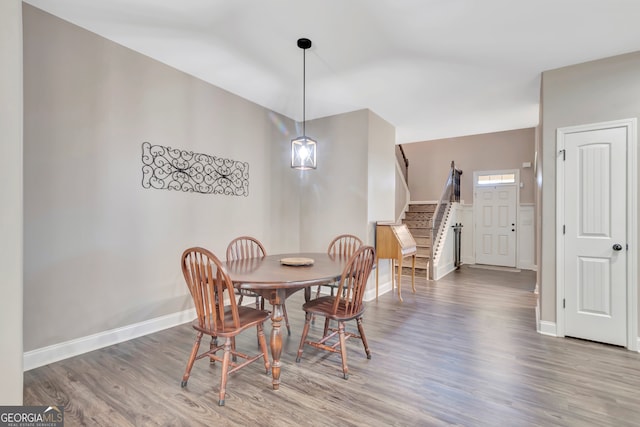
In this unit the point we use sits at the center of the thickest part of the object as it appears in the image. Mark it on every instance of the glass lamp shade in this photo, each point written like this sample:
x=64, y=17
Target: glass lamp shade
x=303, y=153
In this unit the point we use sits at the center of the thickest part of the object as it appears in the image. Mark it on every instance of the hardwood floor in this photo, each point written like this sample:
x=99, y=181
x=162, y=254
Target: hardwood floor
x=460, y=351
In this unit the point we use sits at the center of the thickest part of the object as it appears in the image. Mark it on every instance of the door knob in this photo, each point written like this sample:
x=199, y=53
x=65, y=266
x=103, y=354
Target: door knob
x=617, y=247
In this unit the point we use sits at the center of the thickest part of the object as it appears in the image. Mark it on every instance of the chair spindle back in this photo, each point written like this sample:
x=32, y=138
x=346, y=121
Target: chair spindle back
x=354, y=281
x=344, y=245
x=209, y=284
x=244, y=247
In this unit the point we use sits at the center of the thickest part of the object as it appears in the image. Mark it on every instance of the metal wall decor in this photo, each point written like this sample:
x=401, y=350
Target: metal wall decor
x=168, y=168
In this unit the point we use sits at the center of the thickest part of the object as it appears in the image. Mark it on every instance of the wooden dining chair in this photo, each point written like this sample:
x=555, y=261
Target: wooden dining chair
x=343, y=245
x=219, y=316
x=244, y=247
x=347, y=304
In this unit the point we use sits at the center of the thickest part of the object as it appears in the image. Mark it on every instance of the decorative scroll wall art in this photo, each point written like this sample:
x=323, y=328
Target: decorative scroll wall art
x=168, y=168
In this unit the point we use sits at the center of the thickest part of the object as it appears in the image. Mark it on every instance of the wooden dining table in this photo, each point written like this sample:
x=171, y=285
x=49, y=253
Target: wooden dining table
x=275, y=282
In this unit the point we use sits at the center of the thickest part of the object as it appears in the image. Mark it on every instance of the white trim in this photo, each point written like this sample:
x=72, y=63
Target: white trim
x=544, y=327
x=370, y=292
x=526, y=237
x=547, y=328
x=443, y=270
x=632, y=233
x=559, y=238
x=632, y=220
x=53, y=353
x=476, y=213
x=56, y=352
x=444, y=262
x=406, y=193
x=423, y=202
x=465, y=217
x=515, y=172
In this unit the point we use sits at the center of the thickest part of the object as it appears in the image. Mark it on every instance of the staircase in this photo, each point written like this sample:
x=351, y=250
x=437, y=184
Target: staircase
x=417, y=219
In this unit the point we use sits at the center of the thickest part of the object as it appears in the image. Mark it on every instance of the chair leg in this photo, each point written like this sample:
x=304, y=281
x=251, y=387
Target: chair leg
x=364, y=339
x=225, y=370
x=259, y=306
x=233, y=349
x=263, y=347
x=192, y=358
x=343, y=350
x=305, y=331
x=286, y=318
x=326, y=327
x=313, y=318
x=213, y=344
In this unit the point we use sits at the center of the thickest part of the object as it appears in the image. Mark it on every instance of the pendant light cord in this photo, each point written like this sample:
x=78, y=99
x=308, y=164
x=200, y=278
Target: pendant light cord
x=304, y=44
x=304, y=90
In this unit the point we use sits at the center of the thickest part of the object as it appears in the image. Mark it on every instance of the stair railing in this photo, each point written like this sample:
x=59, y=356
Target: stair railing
x=402, y=159
x=450, y=194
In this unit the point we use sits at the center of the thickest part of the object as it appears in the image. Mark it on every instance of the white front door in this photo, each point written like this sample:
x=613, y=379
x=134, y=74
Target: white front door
x=594, y=227
x=495, y=224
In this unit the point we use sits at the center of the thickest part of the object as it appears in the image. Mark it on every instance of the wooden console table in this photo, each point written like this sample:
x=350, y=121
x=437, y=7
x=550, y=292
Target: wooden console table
x=395, y=242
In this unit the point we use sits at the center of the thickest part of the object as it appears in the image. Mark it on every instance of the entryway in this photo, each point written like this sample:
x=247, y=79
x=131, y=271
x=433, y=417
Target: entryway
x=495, y=204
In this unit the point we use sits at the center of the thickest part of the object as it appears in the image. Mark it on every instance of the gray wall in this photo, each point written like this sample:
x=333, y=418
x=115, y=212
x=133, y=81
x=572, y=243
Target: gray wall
x=382, y=172
x=339, y=184
x=430, y=161
x=101, y=251
x=11, y=202
x=95, y=239
x=355, y=180
x=597, y=91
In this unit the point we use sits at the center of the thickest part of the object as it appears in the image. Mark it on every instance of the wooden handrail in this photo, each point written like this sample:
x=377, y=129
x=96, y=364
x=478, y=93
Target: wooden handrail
x=405, y=161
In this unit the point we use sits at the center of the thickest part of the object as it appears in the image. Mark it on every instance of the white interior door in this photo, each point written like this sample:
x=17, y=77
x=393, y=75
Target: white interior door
x=595, y=247
x=495, y=224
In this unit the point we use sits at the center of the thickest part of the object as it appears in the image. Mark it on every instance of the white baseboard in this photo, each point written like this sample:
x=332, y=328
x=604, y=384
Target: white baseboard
x=527, y=266
x=383, y=288
x=42, y=356
x=544, y=327
x=443, y=270
x=547, y=328
x=53, y=353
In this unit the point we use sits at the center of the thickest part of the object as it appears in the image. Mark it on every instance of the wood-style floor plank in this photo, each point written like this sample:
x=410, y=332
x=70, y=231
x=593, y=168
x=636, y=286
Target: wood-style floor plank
x=461, y=351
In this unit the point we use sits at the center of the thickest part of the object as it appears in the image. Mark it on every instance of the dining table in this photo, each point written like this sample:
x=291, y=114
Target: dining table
x=276, y=277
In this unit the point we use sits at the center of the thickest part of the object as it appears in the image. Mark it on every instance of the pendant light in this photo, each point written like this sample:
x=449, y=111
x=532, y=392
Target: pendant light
x=303, y=148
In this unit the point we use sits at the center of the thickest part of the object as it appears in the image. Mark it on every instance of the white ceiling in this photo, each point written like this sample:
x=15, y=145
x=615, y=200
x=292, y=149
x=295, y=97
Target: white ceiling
x=432, y=68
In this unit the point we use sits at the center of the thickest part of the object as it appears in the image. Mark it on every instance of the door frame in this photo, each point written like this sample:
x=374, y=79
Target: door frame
x=632, y=220
x=476, y=174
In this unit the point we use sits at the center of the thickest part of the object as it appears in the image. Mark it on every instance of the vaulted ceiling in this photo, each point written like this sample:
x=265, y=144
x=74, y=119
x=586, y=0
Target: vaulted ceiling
x=432, y=68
